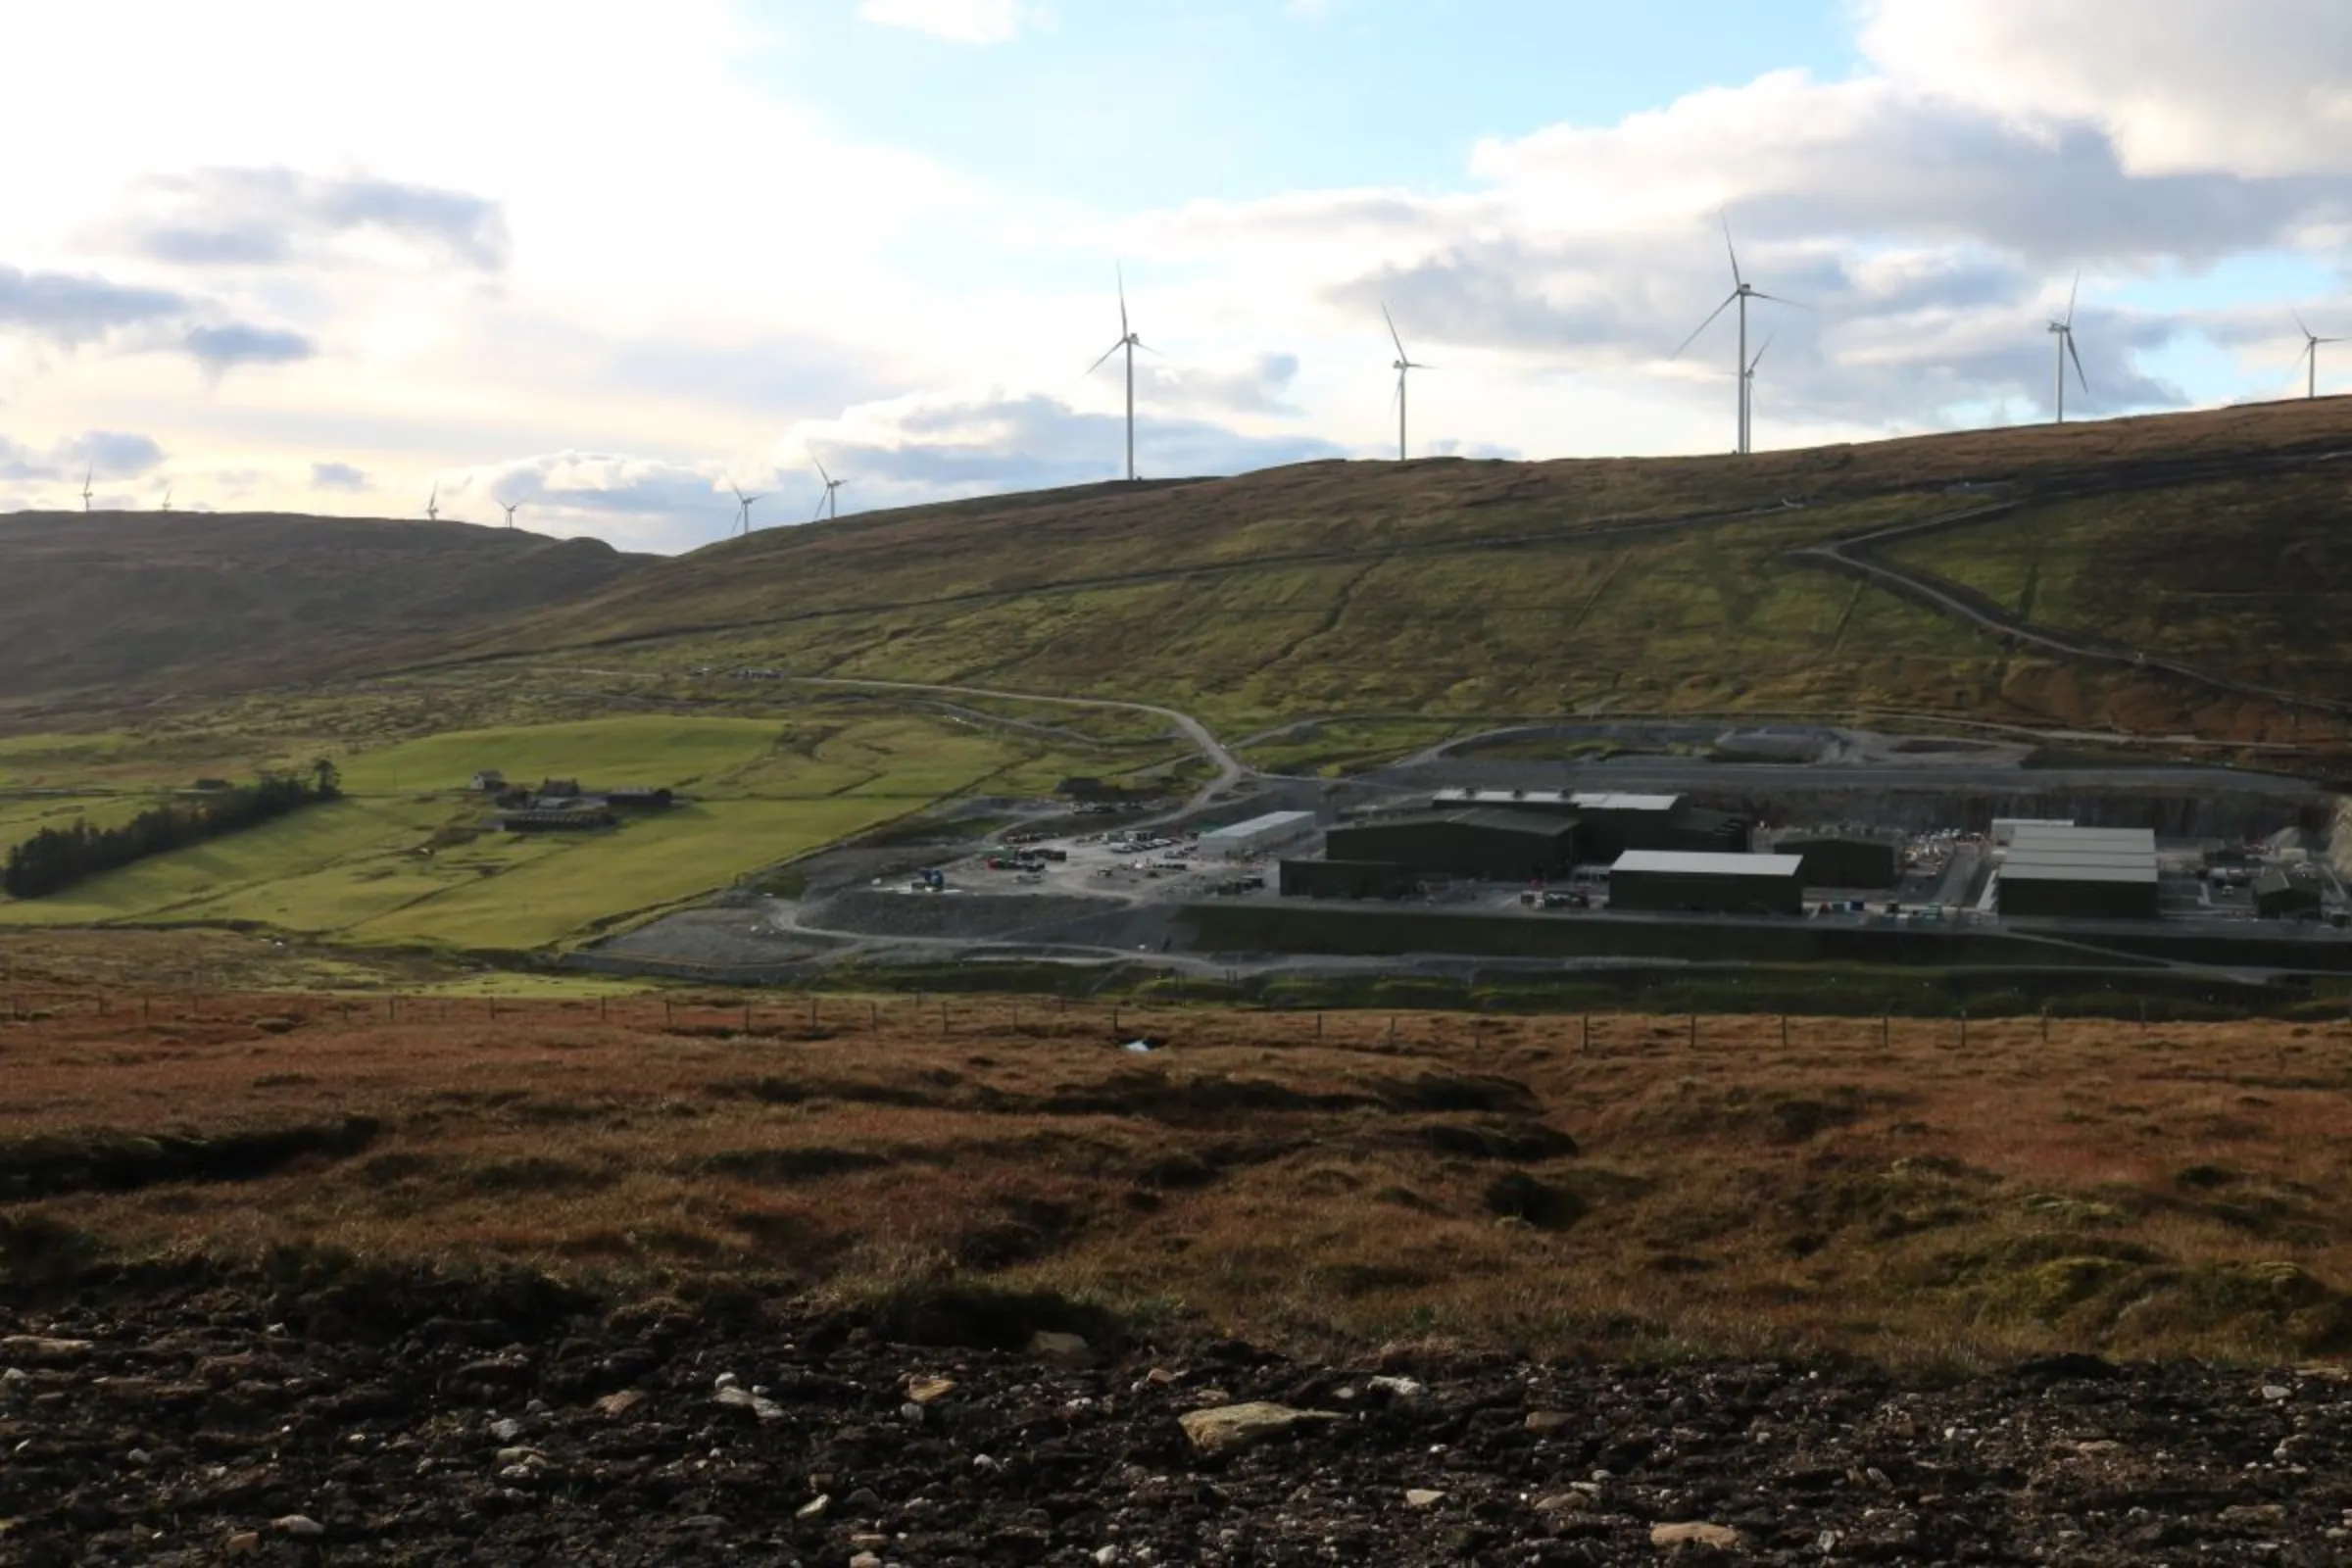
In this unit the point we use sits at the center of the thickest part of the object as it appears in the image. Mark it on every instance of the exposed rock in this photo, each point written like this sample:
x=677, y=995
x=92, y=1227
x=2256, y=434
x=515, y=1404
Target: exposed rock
x=1230, y=1428
x=301, y=1527
x=923, y=1391
x=1069, y=1349
x=1421, y=1498
x=1720, y=1538
x=1542, y=1423
x=743, y=1399
x=38, y=1350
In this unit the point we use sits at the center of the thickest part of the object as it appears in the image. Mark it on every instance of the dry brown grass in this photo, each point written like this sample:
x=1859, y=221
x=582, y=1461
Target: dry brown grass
x=1503, y=1181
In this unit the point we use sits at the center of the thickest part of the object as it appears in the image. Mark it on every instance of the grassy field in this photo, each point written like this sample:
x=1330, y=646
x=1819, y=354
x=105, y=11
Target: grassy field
x=1524, y=1183
x=403, y=857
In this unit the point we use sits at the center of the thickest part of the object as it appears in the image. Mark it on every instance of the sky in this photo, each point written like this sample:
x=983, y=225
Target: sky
x=608, y=262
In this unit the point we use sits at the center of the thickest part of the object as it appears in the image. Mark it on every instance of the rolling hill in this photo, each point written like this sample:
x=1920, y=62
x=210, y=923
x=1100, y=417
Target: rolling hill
x=2170, y=574
x=106, y=607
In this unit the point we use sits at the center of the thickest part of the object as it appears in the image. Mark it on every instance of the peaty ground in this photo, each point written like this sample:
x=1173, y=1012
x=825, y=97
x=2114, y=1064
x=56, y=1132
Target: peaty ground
x=449, y=1280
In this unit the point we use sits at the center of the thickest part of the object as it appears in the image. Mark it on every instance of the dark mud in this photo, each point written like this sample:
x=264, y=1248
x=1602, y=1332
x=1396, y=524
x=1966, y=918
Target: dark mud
x=183, y=1423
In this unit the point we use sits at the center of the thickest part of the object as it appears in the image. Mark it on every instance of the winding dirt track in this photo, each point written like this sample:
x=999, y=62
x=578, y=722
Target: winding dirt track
x=1852, y=557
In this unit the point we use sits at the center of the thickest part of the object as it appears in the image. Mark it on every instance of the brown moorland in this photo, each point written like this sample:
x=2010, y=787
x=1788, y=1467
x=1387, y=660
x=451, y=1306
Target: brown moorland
x=1633, y=1186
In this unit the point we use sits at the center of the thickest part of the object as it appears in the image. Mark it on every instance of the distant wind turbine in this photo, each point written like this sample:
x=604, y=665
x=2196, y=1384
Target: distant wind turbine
x=509, y=507
x=828, y=507
x=166, y=498
x=2062, y=330
x=1742, y=292
x=1404, y=365
x=1750, y=376
x=432, y=504
x=88, y=474
x=2311, y=352
x=1130, y=342
x=743, y=508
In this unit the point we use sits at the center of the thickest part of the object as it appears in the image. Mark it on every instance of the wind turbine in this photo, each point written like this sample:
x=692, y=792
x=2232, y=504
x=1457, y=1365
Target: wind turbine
x=1748, y=393
x=826, y=506
x=2310, y=352
x=1742, y=292
x=1404, y=365
x=742, y=507
x=432, y=504
x=1128, y=340
x=2064, y=330
x=90, y=474
x=509, y=507
x=166, y=498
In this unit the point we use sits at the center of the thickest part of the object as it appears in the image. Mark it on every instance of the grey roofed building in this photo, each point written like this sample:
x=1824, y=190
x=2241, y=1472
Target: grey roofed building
x=1706, y=881
x=2080, y=873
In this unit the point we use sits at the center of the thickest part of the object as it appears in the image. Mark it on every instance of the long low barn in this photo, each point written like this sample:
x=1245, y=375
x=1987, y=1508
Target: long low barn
x=1675, y=881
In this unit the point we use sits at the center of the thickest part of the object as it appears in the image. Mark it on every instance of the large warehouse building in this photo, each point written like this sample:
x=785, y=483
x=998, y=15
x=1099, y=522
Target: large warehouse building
x=1612, y=821
x=1675, y=881
x=2089, y=873
x=1491, y=844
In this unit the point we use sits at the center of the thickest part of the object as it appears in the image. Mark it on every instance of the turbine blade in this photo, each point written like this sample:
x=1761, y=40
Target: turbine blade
x=1106, y=354
x=1760, y=358
x=2077, y=358
x=1392, y=337
x=820, y=506
x=1728, y=247
x=2298, y=315
x=1396, y=391
x=1703, y=325
x=1794, y=304
x=820, y=464
x=1120, y=268
x=2072, y=295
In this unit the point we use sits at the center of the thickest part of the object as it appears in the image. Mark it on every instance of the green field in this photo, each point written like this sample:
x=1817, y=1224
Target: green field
x=403, y=859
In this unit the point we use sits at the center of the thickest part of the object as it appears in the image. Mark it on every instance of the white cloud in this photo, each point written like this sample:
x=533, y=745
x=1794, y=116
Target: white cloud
x=2179, y=86
x=956, y=21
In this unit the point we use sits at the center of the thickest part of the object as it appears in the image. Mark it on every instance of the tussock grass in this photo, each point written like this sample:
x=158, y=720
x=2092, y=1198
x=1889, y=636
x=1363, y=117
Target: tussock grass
x=1509, y=1182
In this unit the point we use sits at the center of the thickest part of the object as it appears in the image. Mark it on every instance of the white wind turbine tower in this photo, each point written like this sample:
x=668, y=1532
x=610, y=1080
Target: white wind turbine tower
x=743, y=508
x=509, y=507
x=90, y=474
x=1748, y=392
x=1129, y=341
x=828, y=507
x=1404, y=365
x=2311, y=352
x=432, y=504
x=166, y=498
x=1742, y=292
x=2063, y=330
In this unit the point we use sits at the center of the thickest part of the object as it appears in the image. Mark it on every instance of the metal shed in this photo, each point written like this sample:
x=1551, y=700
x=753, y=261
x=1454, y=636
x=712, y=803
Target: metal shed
x=1705, y=881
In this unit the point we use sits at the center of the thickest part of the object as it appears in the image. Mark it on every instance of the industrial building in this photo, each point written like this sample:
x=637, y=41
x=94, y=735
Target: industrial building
x=1343, y=879
x=1242, y=840
x=1676, y=881
x=2289, y=892
x=1489, y=844
x=1612, y=821
x=2053, y=871
x=1844, y=856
